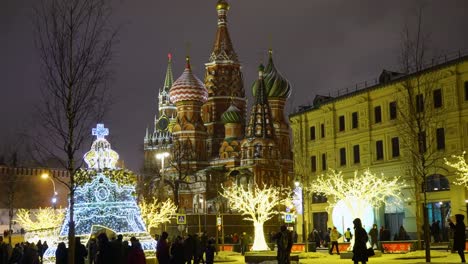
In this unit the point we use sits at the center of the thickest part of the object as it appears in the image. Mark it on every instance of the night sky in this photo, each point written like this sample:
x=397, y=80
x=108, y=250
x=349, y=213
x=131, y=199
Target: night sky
x=319, y=46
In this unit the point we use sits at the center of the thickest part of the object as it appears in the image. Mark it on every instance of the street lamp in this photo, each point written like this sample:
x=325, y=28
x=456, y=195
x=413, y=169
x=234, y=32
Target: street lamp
x=54, y=197
x=162, y=156
x=304, y=232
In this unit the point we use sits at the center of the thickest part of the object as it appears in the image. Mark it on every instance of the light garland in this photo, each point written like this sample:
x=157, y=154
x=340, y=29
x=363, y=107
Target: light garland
x=105, y=199
x=461, y=168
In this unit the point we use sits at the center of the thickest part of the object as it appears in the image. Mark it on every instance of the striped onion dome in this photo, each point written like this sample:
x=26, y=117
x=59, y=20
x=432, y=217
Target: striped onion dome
x=232, y=115
x=188, y=87
x=275, y=84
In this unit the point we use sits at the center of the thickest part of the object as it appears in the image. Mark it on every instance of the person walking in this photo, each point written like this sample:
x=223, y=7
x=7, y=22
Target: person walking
x=459, y=236
x=61, y=254
x=435, y=230
x=177, y=251
x=162, y=249
x=210, y=252
x=284, y=241
x=317, y=237
x=80, y=251
x=244, y=241
x=348, y=235
x=360, y=240
x=136, y=254
x=334, y=235
x=374, y=234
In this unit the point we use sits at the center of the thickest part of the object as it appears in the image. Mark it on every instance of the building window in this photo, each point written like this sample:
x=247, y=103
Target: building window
x=395, y=147
x=355, y=121
x=324, y=161
x=357, y=157
x=422, y=142
x=377, y=114
x=437, y=182
x=440, y=134
x=393, y=110
x=319, y=198
x=379, y=149
x=313, y=163
x=419, y=103
x=322, y=130
x=312, y=133
x=466, y=91
x=437, y=94
x=342, y=156
x=341, y=123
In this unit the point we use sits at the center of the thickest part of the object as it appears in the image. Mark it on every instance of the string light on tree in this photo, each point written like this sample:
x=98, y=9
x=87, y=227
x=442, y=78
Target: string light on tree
x=461, y=168
x=156, y=213
x=356, y=195
x=256, y=204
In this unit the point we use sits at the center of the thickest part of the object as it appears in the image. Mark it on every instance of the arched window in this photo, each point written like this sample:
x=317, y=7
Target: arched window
x=437, y=183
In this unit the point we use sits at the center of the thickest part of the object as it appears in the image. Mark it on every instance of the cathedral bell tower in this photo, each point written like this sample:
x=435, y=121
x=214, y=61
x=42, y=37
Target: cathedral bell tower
x=223, y=80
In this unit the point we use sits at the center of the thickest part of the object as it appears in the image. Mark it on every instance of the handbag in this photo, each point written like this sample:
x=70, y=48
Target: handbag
x=369, y=250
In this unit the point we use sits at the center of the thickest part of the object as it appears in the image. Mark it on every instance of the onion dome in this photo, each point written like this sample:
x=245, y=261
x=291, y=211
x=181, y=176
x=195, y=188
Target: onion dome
x=275, y=84
x=232, y=115
x=188, y=87
x=222, y=4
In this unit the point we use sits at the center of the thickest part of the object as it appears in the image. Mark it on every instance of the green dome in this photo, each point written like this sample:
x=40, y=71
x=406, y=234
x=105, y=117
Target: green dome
x=232, y=115
x=275, y=84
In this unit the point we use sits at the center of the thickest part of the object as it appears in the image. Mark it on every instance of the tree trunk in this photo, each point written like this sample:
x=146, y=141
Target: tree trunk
x=259, y=238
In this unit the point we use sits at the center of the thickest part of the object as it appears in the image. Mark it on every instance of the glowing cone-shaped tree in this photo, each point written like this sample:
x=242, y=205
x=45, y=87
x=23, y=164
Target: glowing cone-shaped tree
x=256, y=204
x=155, y=213
x=461, y=168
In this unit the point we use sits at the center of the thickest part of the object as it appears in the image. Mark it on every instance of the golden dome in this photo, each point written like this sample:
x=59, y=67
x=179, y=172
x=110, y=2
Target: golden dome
x=222, y=4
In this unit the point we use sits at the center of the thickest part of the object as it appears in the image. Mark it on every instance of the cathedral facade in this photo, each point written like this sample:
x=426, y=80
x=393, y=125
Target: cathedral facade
x=207, y=133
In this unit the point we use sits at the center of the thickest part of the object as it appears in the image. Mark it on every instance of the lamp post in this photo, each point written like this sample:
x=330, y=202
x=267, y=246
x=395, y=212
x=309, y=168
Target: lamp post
x=162, y=156
x=54, y=197
x=304, y=232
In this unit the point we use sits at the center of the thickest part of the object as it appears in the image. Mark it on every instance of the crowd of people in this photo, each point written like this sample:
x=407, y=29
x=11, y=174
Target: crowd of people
x=22, y=253
x=189, y=249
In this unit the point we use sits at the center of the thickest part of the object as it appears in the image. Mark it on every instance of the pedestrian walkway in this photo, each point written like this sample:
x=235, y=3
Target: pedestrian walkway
x=416, y=257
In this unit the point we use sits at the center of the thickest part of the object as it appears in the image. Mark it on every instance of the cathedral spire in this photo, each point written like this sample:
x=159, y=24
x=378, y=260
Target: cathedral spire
x=169, y=80
x=260, y=124
x=223, y=49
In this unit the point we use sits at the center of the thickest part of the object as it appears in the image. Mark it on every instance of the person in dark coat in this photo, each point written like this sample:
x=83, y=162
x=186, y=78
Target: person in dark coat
x=40, y=251
x=459, y=236
x=61, y=254
x=360, y=240
x=162, y=249
x=374, y=233
x=284, y=242
x=435, y=230
x=177, y=251
x=136, y=254
x=104, y=251
x=189, y=248
x=80, y=251
x=210, y=252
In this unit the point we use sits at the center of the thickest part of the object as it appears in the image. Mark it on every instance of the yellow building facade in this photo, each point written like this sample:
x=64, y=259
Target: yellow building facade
x=367, y=129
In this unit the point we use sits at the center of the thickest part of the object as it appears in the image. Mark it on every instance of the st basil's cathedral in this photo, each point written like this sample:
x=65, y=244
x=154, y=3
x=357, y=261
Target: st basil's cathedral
x=207, y=135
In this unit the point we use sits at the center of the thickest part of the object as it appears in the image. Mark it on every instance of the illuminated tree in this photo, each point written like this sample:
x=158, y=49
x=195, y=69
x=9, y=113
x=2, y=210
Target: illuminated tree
x=461, y=168
x=359, y=191
x=155, y=213
x=43, y=218
x=256, y=204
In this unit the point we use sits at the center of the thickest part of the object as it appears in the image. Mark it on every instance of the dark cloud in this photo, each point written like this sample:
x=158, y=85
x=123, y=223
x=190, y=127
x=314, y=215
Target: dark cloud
x=320, y=46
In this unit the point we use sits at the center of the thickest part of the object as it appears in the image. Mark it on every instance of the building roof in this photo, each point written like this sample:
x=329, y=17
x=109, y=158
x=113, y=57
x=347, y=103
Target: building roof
x=395, y=79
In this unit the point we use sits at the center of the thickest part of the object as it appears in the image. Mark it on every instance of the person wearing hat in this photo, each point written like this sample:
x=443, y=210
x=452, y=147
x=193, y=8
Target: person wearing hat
x=459, y=235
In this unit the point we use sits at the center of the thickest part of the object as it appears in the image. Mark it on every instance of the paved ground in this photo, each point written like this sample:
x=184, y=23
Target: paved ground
x=322, y=258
